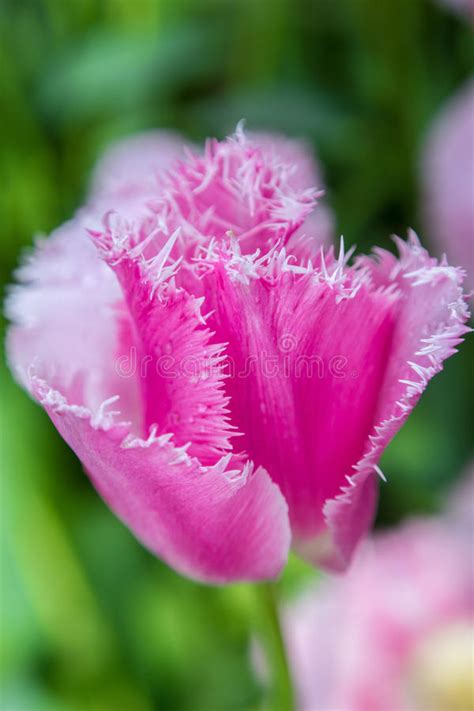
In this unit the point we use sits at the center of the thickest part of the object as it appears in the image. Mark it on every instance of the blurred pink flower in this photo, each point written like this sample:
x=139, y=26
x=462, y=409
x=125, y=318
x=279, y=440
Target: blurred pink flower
x=397, y=632
x=448, y=180
x=220, y=348
x=462, y=7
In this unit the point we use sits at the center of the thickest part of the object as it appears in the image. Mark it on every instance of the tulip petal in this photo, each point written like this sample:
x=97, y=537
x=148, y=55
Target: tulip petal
x=237, y=186
x=430, y=324
x=318, y=227
x=179, y=367
x=133, y=167
x=63, y=312
x=214, y=524
x=66, y=310
x=308, y=351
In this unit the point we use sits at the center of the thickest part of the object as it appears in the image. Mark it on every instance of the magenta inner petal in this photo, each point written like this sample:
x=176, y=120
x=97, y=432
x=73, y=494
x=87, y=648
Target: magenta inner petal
x=178, y=370
x=305, y=370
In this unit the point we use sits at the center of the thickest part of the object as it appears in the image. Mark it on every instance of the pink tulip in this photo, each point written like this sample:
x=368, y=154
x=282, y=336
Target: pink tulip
x=224, y=394
x=448, y=180
x=397, y=631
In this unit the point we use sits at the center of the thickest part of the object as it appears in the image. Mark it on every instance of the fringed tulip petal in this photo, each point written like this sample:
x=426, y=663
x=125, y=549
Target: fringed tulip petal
x=430, y=324
x=303, y=392
x=216, y=524
x=66, y=307
x=318, y=227
x=63, y=314
x=179, y=368
x=237, y=186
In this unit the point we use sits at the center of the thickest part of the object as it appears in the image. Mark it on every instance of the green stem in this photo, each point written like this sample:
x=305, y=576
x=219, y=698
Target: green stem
x=281, y=694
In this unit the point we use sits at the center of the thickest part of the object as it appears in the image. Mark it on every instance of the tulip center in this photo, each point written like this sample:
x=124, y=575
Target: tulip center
x=442, y=670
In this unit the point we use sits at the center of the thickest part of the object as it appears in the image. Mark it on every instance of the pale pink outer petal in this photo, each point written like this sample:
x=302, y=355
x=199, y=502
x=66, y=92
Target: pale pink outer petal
x=213, y=524
x=448, y=180
x=430, y=326
x=65, y=310
x=134, y=165
x=62, y=312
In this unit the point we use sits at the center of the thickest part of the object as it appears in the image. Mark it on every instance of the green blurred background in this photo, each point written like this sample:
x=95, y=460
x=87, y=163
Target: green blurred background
x=89, y=619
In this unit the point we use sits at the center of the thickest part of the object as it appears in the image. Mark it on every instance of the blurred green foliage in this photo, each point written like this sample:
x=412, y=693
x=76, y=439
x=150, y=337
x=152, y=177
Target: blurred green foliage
x=89, y=619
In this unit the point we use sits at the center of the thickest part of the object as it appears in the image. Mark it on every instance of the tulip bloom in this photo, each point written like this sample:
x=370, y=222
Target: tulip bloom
x=228, y=387
x=448, y=180
x=405, y=606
